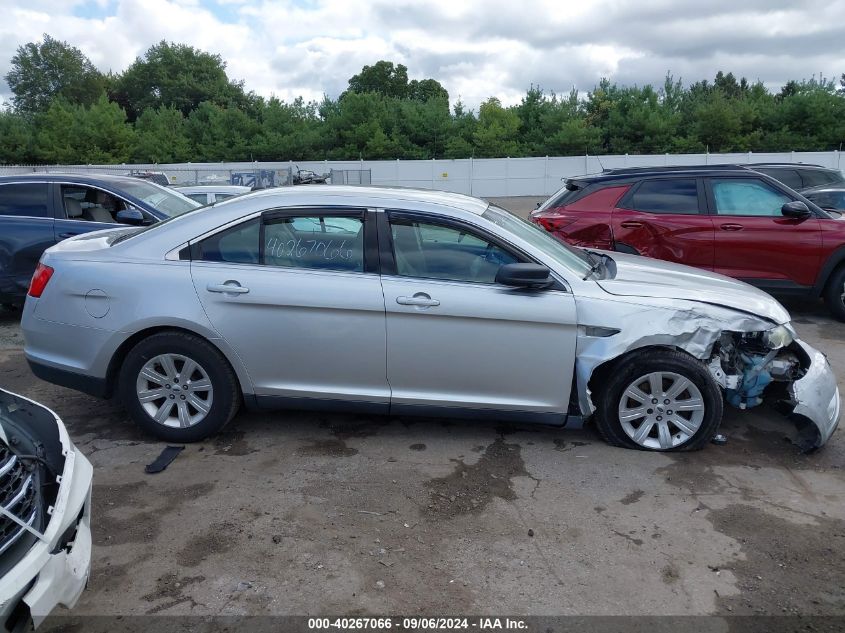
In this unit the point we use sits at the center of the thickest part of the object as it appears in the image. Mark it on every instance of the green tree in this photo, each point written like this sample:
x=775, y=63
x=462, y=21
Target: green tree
x=15, y=138
x=177, y=76
x=42, y=71
x=382, y=78
x=497, y=132
x=219, y=133
x=162, y=137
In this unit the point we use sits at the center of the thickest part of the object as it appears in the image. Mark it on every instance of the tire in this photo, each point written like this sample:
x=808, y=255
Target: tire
x=197, y=408
x=833, y=294
x=621, y=421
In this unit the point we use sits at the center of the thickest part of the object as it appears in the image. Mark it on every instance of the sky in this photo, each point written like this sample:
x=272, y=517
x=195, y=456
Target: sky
x=475, y=48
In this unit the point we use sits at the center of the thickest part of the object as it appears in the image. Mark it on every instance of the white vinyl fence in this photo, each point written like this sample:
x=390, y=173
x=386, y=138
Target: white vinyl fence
x=488, y=177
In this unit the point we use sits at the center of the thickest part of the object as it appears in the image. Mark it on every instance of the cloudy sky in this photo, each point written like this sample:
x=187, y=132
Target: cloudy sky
x=475, y=48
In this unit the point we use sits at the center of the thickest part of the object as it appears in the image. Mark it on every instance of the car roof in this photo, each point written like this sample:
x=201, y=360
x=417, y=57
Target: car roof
x=627, y=174
x=387, y=194
x=57, y=176
x=213, y=188
x=792, y=166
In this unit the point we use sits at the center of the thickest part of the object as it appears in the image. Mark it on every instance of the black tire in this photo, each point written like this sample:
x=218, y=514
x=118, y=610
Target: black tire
x=609, y=394
x=833, y=294
x=226, y=391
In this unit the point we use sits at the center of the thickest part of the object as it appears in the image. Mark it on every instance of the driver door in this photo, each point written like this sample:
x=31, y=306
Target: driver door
x=455, y=338
x=755, y=242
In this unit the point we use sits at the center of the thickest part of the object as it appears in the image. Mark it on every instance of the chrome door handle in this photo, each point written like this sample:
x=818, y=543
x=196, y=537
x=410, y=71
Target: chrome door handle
x=731, y=227
x=230, y=287
x=420, y=300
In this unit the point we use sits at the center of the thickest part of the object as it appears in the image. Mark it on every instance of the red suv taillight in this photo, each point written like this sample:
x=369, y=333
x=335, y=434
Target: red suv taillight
x=39, y=281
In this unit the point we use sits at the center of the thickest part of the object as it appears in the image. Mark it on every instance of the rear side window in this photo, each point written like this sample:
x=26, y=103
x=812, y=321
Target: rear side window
x=676, y=195
x=24, y=200
x=790, y=177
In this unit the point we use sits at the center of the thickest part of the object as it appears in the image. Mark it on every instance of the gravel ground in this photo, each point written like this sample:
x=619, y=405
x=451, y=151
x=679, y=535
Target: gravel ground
x=304, y=513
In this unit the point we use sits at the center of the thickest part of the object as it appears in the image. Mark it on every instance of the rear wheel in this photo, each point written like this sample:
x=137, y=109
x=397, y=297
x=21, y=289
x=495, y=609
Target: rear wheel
x=834, y=294
x=661, y=401
x=178, y=387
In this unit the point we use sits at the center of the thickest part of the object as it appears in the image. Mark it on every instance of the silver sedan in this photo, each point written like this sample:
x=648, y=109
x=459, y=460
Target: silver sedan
x=410, y=302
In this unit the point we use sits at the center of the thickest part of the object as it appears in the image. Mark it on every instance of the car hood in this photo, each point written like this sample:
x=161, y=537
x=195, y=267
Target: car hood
x=636, y=276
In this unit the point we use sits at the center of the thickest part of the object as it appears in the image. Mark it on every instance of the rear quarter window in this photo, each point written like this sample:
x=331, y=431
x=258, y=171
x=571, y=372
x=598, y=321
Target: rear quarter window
x=817, y=177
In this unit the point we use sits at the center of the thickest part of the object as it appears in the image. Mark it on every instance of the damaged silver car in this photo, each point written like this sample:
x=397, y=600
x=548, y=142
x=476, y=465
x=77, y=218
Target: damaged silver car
x=45, y=514
x=410, y=302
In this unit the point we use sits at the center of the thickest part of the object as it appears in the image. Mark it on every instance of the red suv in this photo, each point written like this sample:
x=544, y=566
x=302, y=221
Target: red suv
x=728, y=219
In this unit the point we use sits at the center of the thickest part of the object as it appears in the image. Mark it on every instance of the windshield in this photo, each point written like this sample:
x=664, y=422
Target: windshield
x=571, y=257
x=169, y=202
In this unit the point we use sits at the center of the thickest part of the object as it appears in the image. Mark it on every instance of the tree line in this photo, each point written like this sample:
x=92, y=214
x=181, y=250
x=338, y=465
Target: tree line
x=177, y=104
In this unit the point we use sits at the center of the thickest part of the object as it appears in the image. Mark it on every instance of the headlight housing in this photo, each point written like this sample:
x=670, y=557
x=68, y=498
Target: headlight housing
x=779, y=337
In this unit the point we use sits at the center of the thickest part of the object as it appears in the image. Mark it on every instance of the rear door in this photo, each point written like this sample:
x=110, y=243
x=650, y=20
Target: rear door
x=297, y=295
x=26, y=231
x=666, y=218
x=755, y=241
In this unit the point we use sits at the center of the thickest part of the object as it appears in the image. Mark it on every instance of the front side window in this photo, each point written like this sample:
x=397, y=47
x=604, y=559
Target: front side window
x=290, y=242
x=676, y=195
x=24, y=199
x=738, y=196
x=169, y=201
x=434, y=251
x=819, y=177
x=90, y=204
x=202, y=198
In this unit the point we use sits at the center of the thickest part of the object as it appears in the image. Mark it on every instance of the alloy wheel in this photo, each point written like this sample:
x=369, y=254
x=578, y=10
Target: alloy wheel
x=661, y=410
x=174, y=390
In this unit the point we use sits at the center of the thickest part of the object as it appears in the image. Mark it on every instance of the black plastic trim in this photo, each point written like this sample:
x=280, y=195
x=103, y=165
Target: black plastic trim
x=98, y=387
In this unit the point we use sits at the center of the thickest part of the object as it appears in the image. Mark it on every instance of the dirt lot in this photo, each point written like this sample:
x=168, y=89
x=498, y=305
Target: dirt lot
x=302, y=513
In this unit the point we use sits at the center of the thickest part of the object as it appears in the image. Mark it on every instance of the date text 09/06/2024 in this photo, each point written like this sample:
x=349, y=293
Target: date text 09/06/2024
x=418, y=623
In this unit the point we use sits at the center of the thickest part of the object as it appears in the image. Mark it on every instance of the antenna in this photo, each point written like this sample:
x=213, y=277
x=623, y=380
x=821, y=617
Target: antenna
x=600, y=165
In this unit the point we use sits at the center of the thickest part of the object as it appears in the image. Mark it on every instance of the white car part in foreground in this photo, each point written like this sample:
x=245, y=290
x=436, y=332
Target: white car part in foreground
x=45, y=523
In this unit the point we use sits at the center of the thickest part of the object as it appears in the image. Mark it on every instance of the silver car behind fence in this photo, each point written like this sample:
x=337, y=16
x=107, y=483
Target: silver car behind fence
x=410, y=302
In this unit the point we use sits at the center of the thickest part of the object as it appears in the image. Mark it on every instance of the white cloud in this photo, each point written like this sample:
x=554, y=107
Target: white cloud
x=476, y=48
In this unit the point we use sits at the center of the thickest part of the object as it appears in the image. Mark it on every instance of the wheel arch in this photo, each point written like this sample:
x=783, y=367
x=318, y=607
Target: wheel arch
x=119, y=356
x=606, y=368
x=833, y=262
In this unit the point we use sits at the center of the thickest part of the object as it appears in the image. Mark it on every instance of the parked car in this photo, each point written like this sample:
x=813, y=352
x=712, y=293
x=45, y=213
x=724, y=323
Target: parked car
x=800, y=176
x=728, y=219
x=38, y=210
x=828, y=197
x=796, y=176
x=209, y=194
x=45, y=539
x=409, y=302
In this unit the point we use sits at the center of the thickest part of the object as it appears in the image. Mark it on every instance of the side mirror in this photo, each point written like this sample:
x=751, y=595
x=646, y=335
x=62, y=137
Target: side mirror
x=795, y=209
x=524, y=276
x=130, y=216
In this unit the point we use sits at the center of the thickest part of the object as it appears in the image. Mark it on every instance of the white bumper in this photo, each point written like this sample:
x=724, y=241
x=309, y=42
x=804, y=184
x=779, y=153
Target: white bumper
x=55, y=569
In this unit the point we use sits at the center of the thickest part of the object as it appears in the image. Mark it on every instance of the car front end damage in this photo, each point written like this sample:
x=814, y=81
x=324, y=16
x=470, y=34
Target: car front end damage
x=45, y=514
x=754, y=359
x=774, y=366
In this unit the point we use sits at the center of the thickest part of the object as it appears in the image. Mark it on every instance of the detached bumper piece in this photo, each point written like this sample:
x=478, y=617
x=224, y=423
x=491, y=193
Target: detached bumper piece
x=45, y=514
x=815, y=400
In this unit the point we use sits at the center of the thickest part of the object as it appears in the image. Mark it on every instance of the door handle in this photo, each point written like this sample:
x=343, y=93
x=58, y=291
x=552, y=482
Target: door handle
x=731, y=227
x=631, y=224
x=229, y=287
x=420, y=299
x=64, y=236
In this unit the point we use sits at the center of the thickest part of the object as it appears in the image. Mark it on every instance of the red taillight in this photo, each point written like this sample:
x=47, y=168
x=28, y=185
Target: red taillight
x=39, y=281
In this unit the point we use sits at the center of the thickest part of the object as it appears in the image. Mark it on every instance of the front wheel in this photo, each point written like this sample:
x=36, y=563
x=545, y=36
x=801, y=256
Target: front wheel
x=178, y=387
x=659, y=400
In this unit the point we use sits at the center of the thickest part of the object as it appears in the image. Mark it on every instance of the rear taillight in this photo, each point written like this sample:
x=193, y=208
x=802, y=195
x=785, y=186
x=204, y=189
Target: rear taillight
x=39, y=281
x=555, y=222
